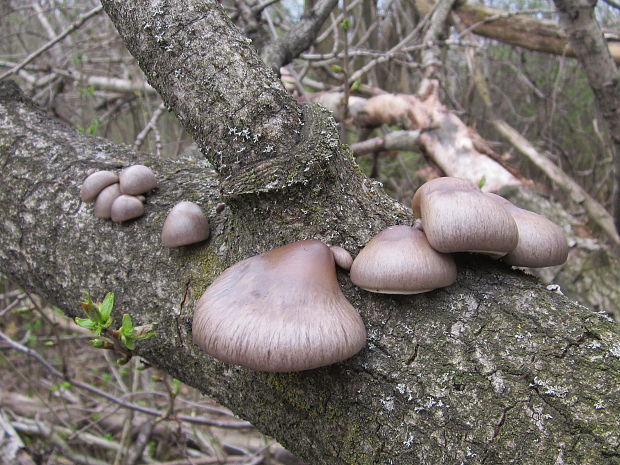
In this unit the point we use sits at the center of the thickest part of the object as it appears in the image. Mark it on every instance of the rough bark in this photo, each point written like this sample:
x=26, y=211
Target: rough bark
x=592, y=273
x=494, y=369
x=586, y=38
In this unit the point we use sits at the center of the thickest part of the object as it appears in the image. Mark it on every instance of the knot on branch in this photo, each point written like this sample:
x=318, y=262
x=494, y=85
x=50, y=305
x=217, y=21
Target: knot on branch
x=318, y=141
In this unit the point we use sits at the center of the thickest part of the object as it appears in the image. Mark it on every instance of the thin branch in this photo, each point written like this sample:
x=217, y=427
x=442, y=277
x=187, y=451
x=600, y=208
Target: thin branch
x=281, y=52
x=151, y=125
x=87, y=387
x=73, y=27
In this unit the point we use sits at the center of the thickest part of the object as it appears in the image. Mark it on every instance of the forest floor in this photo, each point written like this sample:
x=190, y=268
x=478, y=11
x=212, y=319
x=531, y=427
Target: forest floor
x=65, y=402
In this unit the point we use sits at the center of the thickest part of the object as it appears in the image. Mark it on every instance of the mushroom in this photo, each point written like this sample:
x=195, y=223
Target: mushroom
x=457, y=217
x=279, y=311
x=185, y=224
x=446, y=182
x=399, y=260
x=137, y=179
x=342, y=257
x=541, y=241
x=94, y=183
x=103, y=204
x=126, y=207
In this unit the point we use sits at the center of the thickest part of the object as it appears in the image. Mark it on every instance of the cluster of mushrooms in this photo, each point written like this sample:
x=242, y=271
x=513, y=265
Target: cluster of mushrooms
x=118, y=197
x=283, y=310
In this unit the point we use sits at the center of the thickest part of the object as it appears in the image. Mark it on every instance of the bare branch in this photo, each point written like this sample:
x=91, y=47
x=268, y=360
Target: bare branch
x=73, y=27
x=299, y=38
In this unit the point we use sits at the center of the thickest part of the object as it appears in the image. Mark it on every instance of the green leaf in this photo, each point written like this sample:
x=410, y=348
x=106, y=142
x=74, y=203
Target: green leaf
x=106, y=309
x=91, y=310
x=357, y=85
x=482, y=182
x=176, y=385
x=336, y=68
x=85, y=323
x=144, y=332
x=96, y=343
x=127, y=326
x=345, y=24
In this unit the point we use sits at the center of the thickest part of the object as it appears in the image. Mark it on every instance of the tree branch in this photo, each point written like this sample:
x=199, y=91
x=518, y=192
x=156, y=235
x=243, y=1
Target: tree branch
x=586, y=38
x=73, y=27
x=454, y=360
x=282, y=51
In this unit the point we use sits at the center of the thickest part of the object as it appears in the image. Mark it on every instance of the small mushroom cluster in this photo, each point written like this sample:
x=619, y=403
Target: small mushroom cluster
x=118, y=197
x=454, y=216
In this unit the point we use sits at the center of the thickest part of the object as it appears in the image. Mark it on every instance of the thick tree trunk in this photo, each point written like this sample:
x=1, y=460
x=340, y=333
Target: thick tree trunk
x=494, y=369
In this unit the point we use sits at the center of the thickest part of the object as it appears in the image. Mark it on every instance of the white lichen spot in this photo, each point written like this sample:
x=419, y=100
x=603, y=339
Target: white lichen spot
x=409, y=441
x=599, y=405
x=268, y=149
x=555, y=288
x=615, y=350
x=550, y=389
x=388, y=403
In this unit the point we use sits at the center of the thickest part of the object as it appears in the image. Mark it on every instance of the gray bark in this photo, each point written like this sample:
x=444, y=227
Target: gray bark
x=494, y=369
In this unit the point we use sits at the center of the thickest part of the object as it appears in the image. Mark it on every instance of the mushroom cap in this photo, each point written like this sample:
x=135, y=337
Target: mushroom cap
x=125, y=207
x=103, y=204
x=137, y=179
x=95, y=183
x=279, y=311
x=399, y=260
x=462, y=220
x=444, y=183
x=541, y=241
x=185, y=224
x=342, y=257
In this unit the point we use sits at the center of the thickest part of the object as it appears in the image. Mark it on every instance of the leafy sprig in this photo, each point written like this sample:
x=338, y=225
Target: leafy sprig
x=99, y=319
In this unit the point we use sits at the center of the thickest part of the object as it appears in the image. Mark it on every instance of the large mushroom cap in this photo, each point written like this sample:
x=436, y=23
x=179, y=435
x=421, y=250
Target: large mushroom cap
x=464, y=220
x=137, y=179
x=541, y=241
x=399, y=260
x=279, y=311
x=95, y=183
x=445, y=183
x=185, y=224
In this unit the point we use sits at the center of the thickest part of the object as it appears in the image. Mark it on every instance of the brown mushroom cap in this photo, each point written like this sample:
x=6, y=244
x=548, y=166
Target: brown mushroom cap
x=399, y=260
x=279, y=311
x=95, y=183
x=464, y=220
x=185, y=224
x=137, y=179
x=126, y=207
x=103, y=204
x=444, y=183
x=342, y=257
x=541, y=241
